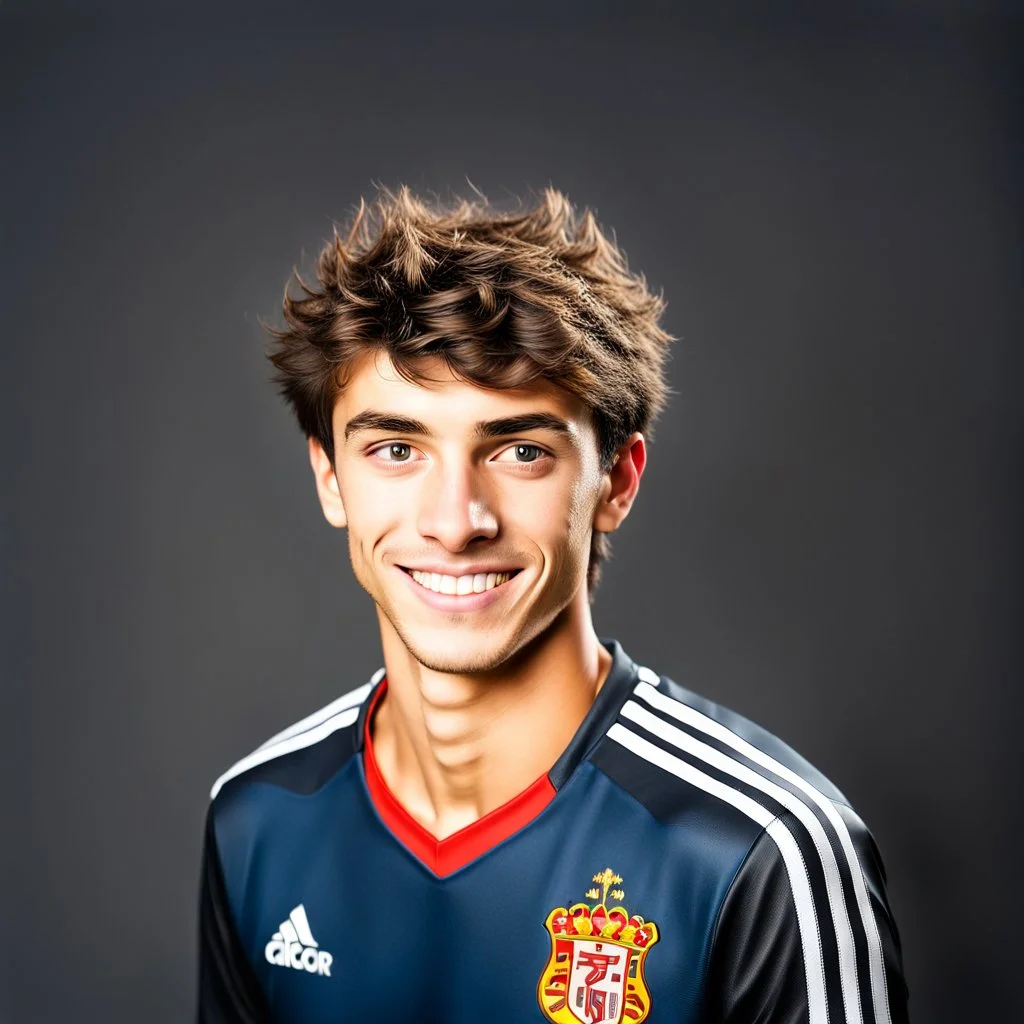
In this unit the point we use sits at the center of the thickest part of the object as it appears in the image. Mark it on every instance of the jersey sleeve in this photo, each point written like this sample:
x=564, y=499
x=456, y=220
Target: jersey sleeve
x=775, y=955
x=229, y=992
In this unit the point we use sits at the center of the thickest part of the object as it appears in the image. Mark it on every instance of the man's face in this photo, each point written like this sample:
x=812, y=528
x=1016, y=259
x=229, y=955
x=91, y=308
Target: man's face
x=470, y=531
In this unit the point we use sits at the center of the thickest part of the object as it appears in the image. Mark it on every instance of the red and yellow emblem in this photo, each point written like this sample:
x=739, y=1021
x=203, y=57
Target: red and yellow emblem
x=595, y=972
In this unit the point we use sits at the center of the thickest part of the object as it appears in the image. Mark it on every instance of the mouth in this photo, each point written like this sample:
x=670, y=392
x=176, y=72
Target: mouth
x=461, y=586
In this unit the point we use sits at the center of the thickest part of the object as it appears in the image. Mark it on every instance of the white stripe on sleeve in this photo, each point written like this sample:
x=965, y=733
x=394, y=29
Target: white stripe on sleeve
x=796, y=806
x=690, y=716
x=807, y=923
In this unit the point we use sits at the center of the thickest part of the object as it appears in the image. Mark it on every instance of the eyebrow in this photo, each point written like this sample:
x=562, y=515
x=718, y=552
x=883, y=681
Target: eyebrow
x=370, y=419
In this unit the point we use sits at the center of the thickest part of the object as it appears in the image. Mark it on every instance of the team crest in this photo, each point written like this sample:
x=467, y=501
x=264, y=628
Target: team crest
x=595, y=972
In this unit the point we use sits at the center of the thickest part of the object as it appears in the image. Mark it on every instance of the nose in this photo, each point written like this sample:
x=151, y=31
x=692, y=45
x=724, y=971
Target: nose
x=454, y=508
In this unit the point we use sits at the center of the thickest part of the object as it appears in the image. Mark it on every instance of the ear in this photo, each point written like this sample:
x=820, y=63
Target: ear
x=327, y=485
x=620, y=484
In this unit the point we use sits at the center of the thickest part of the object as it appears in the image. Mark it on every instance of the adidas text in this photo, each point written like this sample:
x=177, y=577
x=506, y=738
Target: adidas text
x=294, y=946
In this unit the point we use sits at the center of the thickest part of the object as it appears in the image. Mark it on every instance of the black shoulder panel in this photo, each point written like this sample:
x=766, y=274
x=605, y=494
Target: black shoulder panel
x=756, y=965
x=307, y=769
x=310, y=753
x=746, y=730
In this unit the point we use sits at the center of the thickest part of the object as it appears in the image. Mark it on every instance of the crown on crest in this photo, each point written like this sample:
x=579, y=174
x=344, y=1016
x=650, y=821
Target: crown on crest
x=584, y=920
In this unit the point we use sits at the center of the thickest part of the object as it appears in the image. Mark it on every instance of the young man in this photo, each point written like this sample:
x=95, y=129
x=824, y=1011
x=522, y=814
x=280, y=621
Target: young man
x=513, y=820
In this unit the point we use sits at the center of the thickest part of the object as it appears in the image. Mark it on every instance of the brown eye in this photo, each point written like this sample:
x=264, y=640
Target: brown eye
x=396, y=452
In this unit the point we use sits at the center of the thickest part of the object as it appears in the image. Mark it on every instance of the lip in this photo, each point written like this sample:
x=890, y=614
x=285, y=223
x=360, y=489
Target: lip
x=453, y=602
x=461, y=570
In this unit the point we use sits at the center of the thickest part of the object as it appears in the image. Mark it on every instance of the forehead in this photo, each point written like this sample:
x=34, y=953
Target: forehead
x=445, y=403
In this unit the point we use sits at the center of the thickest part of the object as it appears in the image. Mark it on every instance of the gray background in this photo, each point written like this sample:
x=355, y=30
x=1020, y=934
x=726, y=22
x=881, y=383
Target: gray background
x=827, y=538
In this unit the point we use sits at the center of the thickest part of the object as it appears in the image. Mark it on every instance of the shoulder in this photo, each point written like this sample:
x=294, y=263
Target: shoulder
x=267, y=809
x=693, y=762
x=810, y=885
x=807, y=839
x=305, y=755
x=674, y=742
x=733, y=735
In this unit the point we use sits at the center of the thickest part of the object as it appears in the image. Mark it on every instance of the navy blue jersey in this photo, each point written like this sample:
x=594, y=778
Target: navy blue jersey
x=677, y=864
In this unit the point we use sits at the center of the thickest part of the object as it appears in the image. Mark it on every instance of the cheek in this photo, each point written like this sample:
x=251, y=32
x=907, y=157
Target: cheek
x=583, y=498
x=372, y=512
x=560, y=522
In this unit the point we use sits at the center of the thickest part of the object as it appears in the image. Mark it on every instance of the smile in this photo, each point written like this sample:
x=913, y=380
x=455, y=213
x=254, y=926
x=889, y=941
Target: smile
x=460, y=586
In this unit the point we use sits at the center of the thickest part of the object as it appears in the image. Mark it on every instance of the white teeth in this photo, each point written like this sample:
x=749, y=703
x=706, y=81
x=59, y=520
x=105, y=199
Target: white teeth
x=461, y=585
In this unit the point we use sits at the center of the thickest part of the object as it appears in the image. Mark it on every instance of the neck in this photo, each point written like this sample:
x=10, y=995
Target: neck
x=453, y=747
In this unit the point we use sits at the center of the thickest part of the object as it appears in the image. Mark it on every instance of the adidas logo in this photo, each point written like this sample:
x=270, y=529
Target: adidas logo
x=294, y=946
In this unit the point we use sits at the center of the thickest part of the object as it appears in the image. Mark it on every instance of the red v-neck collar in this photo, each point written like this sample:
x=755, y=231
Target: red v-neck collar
x=445, y=856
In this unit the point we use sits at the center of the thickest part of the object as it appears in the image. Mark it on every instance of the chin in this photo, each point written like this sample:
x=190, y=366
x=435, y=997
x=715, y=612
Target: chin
x=460, y=652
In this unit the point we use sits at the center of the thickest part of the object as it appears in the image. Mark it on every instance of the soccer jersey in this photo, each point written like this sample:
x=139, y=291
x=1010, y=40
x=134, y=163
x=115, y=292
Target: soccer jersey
x=677, y=864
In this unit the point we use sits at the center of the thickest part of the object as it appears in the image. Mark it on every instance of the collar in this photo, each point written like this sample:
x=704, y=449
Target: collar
x=445, y=856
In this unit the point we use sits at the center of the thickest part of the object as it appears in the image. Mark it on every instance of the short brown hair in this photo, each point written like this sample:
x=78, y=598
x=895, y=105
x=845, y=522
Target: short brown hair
x=502, y=298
